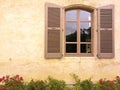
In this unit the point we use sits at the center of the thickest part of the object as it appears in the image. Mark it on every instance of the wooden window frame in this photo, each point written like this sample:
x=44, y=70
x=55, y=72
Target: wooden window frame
x=78, y=42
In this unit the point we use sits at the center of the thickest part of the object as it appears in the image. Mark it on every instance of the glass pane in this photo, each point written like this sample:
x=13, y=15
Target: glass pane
x=71, y=32
x=85, y=31
x=71, y=48
x=85, y=48
x=84, y=15
x=71, y=15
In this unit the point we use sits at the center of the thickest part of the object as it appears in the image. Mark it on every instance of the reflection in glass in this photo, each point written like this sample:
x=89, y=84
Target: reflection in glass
x=85, y=31
x=71, y=15
x=71, y=48
x=85, y=48
x=85, y=15
x=71, y=32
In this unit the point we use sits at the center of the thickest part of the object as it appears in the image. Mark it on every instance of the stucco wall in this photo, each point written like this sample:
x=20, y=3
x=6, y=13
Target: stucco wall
x=22, y=37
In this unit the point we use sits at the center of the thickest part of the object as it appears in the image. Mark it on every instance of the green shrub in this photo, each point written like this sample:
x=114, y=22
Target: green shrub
x=69, y=88
x=54, y=84
x=16, y=83
x=117, y=83
x=77, y=82
x=36, y=85
x=86, y=85
x=82, y=85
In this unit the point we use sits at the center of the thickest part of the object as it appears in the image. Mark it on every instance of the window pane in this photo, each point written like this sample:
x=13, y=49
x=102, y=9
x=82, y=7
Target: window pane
x=85, y=31
x=84, y=15
x=71, y=32
x=71, y=15
x=85, y=48
x=71, y=48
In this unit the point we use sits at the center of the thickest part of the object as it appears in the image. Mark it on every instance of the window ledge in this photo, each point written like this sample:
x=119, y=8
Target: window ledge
x=78, y=55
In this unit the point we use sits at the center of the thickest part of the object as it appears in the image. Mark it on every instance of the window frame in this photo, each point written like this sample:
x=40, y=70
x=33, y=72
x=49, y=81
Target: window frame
x=96, y=30
x=78, y=53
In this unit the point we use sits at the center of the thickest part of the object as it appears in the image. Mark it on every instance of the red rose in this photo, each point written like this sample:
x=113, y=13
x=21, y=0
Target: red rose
x=100, y=81
x=15, y=82
x=1, y=79
x=2, y=89
x=21, y=78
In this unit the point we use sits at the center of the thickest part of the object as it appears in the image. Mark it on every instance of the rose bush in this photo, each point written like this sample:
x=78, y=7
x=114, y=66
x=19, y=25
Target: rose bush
x=11, y=83
x=17, y=83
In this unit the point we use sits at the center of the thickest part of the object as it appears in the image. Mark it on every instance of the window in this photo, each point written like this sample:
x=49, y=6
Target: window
x=78, y=32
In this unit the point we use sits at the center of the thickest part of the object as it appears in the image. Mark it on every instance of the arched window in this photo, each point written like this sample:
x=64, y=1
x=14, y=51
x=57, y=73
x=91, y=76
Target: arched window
x=78, y=33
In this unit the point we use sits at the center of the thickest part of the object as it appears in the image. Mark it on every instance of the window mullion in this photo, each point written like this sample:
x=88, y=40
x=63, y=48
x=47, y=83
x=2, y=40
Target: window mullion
x=78, y=31
x=92, y=33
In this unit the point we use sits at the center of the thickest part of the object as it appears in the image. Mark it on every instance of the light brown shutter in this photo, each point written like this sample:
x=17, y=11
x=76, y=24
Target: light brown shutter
x=53, y=31
x=106, y=32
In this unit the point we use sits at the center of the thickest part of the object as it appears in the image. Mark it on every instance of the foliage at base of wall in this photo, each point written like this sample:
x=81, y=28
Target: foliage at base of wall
x=17, y=83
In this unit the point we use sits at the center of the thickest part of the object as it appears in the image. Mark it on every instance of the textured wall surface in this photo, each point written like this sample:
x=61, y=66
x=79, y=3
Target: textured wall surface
x=22, y=37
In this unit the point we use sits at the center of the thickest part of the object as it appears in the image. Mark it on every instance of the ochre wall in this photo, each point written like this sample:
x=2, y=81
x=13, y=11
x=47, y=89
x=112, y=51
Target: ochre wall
x=22, y=39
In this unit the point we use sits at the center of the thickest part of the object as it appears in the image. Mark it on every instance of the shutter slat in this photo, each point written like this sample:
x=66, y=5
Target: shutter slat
x=53, y=41
x=105, y=18
x=53, y=31
x=54, y=17
x=105, y=32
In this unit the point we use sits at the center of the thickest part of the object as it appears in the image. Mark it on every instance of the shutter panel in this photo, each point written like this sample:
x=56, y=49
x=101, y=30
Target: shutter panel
x=106, y=32
x=53, y=31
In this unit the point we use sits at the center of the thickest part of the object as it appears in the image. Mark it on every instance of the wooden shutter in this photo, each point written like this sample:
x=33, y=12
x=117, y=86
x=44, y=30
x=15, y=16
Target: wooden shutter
x=106, y=32
x=53, y=31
